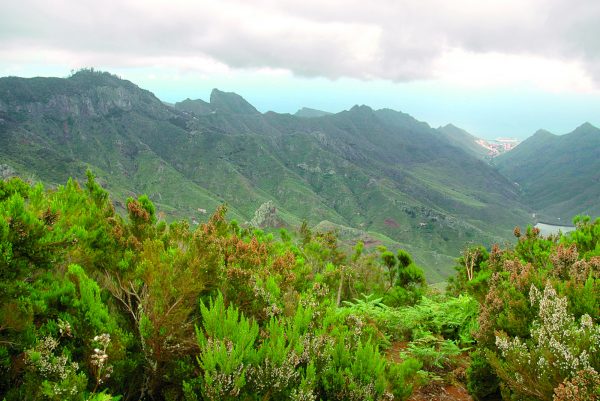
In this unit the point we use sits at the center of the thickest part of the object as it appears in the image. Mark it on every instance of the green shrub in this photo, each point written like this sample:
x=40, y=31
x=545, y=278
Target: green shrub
x=482, y=382
x=402, y=375
x=355, y=374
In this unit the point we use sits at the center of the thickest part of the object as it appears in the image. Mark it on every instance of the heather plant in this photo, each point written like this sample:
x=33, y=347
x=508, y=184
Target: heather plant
x=226, y=343
x=355, y=376
x=482, y=381
x=42, y=296
x=27, y=241
x=13, y=186
x=404, y=377
x=234, y=363
x=530, y=341
x=584, y=297
x=94, y=315
x=584, y=386
x=534, y=248
x=559, y=348
x=309, y=355
x=159, y=296
x=52, y=374
x=586, y=236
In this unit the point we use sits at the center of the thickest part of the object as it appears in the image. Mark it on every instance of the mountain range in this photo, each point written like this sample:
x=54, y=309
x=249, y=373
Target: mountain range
x=379, y=176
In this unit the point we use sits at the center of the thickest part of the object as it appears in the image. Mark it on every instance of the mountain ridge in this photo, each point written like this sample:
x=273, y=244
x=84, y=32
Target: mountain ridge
x=377, y=171
x=464, y=140
x=308, y=112
x=546, y=165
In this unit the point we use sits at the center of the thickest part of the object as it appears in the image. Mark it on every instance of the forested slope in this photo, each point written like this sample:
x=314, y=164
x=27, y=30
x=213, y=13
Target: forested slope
x=559, y=175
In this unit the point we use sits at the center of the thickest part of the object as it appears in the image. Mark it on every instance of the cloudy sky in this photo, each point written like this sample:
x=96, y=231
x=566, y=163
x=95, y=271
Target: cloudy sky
x=495, y=68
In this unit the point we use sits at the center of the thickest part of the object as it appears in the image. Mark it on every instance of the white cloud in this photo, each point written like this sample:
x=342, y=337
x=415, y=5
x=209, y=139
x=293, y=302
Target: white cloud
x=469, y=69
x=542, y=41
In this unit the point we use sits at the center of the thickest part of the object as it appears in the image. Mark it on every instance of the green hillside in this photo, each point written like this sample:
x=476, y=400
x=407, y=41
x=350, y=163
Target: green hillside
x=462, y=139
x=377, y=171
x=558, y=175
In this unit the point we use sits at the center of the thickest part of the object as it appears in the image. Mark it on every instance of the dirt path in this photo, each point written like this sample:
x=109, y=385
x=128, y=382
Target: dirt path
x=441, y=393
x=433, y=391
x=393, y=353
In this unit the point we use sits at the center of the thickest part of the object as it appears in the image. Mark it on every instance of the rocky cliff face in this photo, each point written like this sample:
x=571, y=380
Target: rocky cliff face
x=6, y=172
x=266, y=216
x=78, y=96
x=100, y=102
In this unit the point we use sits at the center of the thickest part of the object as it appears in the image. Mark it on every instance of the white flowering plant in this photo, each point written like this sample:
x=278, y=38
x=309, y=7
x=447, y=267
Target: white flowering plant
x=60, y=378
x=559, y=347
x=99, y=360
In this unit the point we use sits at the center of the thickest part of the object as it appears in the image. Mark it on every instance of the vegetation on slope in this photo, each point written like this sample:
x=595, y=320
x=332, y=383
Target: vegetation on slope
x=558, y=175
x=94, y=306
x=462, y=139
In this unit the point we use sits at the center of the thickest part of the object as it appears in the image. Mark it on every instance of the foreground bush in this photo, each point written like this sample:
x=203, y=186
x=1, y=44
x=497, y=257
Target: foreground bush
x=96, y=306
x=539, y=333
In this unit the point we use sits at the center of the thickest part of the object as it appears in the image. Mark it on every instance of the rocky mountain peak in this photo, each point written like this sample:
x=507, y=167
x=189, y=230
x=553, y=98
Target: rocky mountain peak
x=230, y=102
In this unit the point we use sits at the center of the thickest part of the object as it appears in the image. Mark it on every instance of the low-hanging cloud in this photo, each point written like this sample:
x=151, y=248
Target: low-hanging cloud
x=380, y=39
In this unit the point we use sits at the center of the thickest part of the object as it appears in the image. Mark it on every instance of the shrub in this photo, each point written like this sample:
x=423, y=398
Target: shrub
x=482, y=382
x=558, y=349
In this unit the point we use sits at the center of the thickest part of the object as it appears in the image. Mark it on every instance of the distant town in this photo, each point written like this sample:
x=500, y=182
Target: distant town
x=498, y=146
